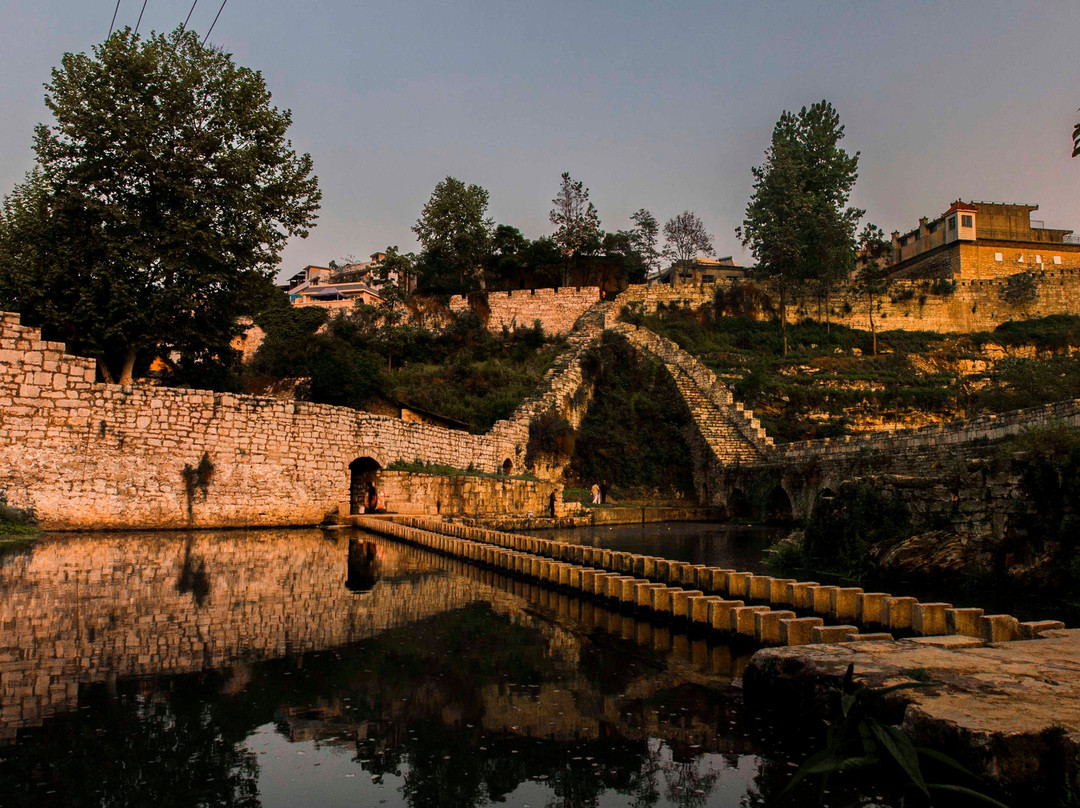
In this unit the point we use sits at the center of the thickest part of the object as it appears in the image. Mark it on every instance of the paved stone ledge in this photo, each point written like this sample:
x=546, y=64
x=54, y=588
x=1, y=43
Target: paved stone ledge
x=1010, y=712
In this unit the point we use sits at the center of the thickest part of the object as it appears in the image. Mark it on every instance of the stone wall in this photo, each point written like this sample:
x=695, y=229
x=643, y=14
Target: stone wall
x=556, y=309
x=86, y=455
x=430, y=494
x=907, y=305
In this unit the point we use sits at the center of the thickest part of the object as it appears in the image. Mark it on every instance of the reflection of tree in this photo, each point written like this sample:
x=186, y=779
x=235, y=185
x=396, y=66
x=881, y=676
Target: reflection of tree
x=193, y=576
x=687, y=784
x=170, y=749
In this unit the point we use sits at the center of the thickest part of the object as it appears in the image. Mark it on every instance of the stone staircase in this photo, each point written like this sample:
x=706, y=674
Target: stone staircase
x=731, y=432
x=564, y=388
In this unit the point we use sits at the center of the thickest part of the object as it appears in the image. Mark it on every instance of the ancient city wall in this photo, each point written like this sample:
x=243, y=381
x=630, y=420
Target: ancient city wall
x=906, y=305
x=87, y=455
x=431, y=494
x=556, y=309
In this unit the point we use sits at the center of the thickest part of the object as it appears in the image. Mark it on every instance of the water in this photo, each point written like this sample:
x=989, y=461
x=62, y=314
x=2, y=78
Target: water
x=260, y=669
x=716, y=545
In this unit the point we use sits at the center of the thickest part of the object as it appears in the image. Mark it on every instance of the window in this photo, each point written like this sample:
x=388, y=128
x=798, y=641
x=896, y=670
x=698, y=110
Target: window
x=1020, y=258
x=966, y=221
x=1038, y=259
x=1057, y=260
x=952, y=222
x=998, y=257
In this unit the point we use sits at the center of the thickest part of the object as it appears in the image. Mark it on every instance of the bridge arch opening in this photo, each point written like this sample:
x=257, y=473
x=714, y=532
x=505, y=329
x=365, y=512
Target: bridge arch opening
x=362, y=473
x=738, y=505
x=778, y=506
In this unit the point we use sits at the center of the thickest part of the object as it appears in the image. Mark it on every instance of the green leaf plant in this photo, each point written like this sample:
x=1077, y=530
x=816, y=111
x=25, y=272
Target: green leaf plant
x=858, y=742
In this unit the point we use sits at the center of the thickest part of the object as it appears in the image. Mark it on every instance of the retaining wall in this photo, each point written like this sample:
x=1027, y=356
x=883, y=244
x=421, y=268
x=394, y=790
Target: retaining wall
x=556, y=309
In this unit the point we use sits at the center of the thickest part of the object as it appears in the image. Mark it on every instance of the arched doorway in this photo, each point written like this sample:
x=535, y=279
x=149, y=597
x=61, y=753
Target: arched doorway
x=778, y=506
x=362, y=473
x=738, y=505
x=507, y=467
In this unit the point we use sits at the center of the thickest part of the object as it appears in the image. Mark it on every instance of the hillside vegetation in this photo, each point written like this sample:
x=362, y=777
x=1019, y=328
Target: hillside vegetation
x=829, y=384
x=461, y=371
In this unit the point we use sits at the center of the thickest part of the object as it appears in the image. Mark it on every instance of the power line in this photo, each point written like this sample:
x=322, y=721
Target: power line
x=140, y=17
x=113, y=23
x=223, y=2
x=184, y=26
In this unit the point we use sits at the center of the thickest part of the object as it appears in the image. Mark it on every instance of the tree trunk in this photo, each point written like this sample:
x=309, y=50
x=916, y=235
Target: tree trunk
x=783, y=316
x=873, y=331
x=129, y=366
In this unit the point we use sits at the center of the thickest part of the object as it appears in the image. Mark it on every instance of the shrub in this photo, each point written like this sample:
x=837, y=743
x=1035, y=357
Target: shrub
x=842, y=529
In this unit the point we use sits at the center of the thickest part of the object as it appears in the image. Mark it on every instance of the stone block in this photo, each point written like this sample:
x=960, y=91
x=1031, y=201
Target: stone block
x=798, y=630
x=700, y=608
x=780, y=591
x=680, y=602
x=999, y=628
x=644, y=597
x=966, y=622
x=833, y=634
x=767, y=626
x=720, y=613
x=928, y=619
x=742, y=619
x=738, y=584
x=662, y=597
x=823, y=600
x=870, y=608
x=1032, y=630
x=897, y=613
x=842, y=606
x=802, y=594
x=760, y=587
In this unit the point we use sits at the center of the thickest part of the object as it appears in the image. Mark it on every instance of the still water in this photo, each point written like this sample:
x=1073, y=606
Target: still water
x=262, y=669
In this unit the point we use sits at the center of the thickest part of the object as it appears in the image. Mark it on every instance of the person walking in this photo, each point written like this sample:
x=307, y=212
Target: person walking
x=595, y=494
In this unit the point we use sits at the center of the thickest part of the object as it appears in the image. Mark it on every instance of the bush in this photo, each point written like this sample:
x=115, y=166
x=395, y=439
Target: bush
x=842, y=530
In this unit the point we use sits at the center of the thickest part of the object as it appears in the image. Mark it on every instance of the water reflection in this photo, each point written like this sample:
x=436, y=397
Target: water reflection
x=717, y=545
x=309, y=675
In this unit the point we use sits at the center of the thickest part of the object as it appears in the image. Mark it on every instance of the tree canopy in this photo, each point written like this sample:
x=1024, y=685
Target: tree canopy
x=456, y=237
x=685, y=237
x=798, y=224
x=164, y=192
x=576, y=221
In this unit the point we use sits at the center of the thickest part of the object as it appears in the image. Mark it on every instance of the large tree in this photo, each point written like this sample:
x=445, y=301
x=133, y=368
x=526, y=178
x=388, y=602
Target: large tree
x=577, y=224
x=685, y=237
x=643, y=238
x=164, y=192
x=456, y=237
x=798, y=223
x=875, y=252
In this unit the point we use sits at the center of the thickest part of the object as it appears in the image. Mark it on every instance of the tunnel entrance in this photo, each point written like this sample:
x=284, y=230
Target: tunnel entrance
x=362, y=473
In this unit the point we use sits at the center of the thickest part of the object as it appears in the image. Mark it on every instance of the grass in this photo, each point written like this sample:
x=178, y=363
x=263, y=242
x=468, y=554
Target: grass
x=419, y=467
x=830, y=385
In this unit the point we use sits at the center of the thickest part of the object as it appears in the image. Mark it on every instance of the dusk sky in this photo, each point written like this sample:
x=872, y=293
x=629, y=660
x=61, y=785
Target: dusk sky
x=659, y=105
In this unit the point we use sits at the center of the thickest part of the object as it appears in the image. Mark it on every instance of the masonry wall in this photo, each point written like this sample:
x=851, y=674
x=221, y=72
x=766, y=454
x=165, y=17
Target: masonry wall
x=556, y=309
x=431, y=494
x=908, y=305
x=87, y=455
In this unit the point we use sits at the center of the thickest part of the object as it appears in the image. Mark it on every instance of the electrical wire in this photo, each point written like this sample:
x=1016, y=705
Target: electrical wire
x=140, y=17
x=113, y=23
x=184, y=26
x=223, y=2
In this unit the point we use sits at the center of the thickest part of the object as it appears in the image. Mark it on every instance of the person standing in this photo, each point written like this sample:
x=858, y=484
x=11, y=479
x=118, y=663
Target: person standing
x=595, y=494
x=603, y=492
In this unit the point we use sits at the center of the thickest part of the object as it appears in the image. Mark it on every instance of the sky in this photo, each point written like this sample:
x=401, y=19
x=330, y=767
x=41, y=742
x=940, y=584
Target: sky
x=665, y=106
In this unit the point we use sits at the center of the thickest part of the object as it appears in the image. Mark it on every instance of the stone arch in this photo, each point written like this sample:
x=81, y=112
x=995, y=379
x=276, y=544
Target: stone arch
x=778, y=506
x=738, y=505
x=362, y=473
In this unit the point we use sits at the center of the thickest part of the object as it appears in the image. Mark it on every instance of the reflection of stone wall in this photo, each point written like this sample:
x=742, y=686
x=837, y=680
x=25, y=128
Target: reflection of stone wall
x=82, y=609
